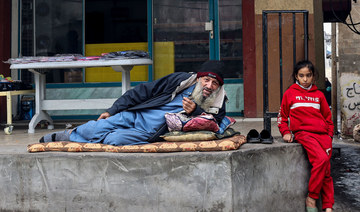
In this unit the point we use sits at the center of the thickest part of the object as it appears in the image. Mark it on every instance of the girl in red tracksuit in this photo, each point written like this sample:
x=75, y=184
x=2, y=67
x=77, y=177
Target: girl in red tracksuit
x=305, y=107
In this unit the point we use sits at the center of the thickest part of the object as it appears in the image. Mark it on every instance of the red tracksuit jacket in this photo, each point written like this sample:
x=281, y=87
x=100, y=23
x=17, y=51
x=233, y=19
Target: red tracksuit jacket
x=307, y=110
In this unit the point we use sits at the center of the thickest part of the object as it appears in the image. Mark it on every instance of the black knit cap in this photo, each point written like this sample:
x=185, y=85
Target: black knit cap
x=212, y=66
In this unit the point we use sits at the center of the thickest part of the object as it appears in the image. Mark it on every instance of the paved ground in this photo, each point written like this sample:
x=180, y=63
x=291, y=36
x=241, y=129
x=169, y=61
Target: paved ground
x=346, y=175
x=345, y=160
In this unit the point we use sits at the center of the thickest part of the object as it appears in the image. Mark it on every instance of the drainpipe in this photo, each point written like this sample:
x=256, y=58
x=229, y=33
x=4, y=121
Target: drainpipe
x=334, y=77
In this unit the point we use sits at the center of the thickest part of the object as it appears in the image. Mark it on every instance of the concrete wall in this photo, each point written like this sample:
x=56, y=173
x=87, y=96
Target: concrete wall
x=349, y=101
x=349, y=73
x=256, y=177
x=261, y=5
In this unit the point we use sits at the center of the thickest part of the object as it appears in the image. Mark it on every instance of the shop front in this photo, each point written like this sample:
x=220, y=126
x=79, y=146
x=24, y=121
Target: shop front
x=179, y=36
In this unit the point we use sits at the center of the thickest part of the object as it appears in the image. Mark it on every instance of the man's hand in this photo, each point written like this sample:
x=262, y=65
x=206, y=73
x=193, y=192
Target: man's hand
x=188, y=105
x=288, y=138
x=104, y=115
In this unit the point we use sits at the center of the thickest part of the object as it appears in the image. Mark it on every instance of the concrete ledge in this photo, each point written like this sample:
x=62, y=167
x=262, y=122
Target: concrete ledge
x=257, y=177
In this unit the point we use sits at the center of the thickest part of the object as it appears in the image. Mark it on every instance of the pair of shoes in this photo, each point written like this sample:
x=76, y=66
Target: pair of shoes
x=264, y=137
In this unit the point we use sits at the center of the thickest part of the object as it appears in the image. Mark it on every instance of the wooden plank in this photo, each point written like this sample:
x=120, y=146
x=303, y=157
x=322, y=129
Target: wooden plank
x=19, y=92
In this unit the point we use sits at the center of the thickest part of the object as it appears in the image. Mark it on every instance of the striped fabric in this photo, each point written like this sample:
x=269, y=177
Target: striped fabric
x=314, y=105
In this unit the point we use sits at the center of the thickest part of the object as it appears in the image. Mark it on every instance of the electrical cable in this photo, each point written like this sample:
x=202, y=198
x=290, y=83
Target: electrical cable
x=351, y=26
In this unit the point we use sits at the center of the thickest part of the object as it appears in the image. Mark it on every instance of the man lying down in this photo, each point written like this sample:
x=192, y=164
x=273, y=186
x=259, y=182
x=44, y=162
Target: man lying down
x=137, y=117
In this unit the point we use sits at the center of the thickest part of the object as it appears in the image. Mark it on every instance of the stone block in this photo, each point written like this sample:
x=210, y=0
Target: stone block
x=257, y=177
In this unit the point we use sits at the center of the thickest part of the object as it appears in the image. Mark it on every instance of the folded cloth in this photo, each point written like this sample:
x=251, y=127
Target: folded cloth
x=182, y=122
x=205, y=122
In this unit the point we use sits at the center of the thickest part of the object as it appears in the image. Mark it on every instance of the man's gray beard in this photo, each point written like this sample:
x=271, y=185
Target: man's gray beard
x=203, y=101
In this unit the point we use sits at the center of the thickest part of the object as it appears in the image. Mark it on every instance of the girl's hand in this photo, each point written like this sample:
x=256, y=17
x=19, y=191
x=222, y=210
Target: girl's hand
x=288, y=138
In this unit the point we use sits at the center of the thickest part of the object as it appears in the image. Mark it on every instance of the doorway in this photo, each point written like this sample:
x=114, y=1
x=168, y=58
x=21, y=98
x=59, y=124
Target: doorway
x=187, y=33
x=196, y=31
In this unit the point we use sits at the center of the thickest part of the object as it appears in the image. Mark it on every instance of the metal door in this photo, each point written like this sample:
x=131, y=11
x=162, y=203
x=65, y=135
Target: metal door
x=278, y=20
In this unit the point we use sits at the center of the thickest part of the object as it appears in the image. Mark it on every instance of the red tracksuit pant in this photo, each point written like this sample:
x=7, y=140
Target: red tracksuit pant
x=319, y=149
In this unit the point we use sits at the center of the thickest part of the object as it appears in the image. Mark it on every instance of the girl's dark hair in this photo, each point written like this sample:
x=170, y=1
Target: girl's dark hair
x=303, y=64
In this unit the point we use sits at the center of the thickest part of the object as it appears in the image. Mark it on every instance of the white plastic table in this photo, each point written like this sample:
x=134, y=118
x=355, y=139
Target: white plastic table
x=42, y=105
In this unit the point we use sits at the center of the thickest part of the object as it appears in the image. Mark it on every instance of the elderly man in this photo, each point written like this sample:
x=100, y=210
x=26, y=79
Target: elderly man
x=137, y=117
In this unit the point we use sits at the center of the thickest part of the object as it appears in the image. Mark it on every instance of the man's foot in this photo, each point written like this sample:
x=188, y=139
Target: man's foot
x=56, y=136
